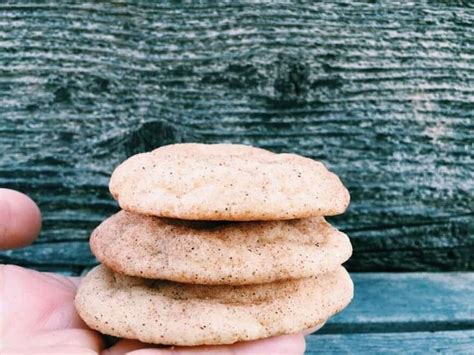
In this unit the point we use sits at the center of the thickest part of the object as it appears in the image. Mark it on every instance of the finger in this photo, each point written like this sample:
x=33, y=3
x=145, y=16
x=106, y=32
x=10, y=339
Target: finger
x=20, y=219
x=125, y=346
x=41, y=312
x=74, y=338
x=50, y=350
x=286, y=344
x=36, y=301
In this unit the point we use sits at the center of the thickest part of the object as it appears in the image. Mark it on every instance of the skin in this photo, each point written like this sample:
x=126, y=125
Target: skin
x=37, y=309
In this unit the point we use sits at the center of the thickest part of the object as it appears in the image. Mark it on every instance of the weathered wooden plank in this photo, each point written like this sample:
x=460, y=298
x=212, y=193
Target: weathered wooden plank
x=381, y=92
x=401, y=302
x=448, y=342
x=444, y=245
x=52, y=256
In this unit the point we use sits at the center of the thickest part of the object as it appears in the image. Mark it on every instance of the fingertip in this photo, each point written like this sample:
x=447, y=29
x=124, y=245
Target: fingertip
x=20, y=219
x=293, y=344
x=284, y=344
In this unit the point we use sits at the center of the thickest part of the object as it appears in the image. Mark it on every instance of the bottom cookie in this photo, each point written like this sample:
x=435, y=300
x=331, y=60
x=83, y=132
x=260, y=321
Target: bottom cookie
x=165, y=312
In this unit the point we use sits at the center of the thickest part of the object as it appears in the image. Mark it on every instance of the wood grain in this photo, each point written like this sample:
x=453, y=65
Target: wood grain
x=404, y=302
x=381, y=92
x=402, y=313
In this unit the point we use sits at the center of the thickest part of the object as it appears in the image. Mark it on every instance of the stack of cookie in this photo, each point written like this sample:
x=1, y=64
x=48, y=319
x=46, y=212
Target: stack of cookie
x=217, y=244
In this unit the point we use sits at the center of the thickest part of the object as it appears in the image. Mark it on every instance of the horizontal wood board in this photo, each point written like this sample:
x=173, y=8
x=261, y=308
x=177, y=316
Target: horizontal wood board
x=402, y=313
x=404, y=302
x=447, y=342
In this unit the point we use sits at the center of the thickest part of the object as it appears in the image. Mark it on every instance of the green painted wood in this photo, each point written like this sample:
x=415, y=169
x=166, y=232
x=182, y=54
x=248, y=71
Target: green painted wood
x=402, y=313
x=448, y=342
x=381, y=92
x=404, y=302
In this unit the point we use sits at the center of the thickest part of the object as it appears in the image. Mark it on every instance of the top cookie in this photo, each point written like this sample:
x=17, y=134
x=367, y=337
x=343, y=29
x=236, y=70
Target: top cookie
x=228, y=182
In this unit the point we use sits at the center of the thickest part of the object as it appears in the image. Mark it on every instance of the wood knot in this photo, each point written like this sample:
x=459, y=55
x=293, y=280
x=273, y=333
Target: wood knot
x=62, y=95
x=301, y=78
x=292, y=79
x=150, y=135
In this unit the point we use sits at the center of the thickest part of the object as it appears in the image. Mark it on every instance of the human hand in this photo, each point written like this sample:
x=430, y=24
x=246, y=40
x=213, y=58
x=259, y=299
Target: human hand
x=37, y=309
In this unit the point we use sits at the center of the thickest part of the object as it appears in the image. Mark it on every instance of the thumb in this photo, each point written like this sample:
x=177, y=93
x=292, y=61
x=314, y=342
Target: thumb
x=20, y=219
